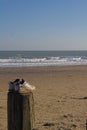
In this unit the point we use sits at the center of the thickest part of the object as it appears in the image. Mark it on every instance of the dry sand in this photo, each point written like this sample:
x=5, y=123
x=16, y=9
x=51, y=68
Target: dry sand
x=60, y=96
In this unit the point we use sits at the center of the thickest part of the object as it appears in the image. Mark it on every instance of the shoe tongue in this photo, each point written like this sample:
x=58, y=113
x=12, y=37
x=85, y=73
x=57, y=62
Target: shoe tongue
x=17, y=80
x=22, y=81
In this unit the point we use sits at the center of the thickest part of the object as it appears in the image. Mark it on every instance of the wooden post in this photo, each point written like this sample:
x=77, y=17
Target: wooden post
x=20, y=111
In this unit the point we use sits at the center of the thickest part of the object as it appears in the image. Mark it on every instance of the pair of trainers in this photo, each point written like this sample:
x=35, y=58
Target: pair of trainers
x=19, y=85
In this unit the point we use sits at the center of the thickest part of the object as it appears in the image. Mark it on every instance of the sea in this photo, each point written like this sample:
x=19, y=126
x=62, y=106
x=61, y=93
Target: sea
x=42, y=58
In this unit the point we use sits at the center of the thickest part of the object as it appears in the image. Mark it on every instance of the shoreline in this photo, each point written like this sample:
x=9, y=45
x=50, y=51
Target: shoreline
x=51, y=66
x=43, y=66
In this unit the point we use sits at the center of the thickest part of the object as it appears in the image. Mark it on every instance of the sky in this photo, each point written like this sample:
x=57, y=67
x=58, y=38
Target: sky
x=43, y=24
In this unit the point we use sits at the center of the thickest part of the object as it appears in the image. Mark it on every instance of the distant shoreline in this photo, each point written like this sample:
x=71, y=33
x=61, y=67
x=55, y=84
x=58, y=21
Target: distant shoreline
x=84, y=65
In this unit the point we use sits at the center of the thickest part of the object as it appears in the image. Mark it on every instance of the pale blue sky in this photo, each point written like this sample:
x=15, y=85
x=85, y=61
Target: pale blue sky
x=43, y=24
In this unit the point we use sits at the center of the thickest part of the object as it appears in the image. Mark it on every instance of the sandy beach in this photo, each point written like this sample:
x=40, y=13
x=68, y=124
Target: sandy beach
x=60, y=96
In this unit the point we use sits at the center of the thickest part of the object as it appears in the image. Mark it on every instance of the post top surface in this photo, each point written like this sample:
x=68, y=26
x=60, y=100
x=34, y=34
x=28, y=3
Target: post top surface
x=22, y=92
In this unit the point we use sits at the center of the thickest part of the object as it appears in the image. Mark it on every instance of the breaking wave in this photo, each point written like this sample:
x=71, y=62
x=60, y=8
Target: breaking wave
x=46, y=61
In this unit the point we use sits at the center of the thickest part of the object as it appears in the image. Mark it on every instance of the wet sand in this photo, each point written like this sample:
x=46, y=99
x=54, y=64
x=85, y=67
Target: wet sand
x=60, y=96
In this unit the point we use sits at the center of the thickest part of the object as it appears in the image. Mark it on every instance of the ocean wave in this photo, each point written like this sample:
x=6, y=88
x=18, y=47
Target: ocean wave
x=46, y=61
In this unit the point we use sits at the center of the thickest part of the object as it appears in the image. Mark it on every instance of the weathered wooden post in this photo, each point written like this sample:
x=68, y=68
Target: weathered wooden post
x=20, y=108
